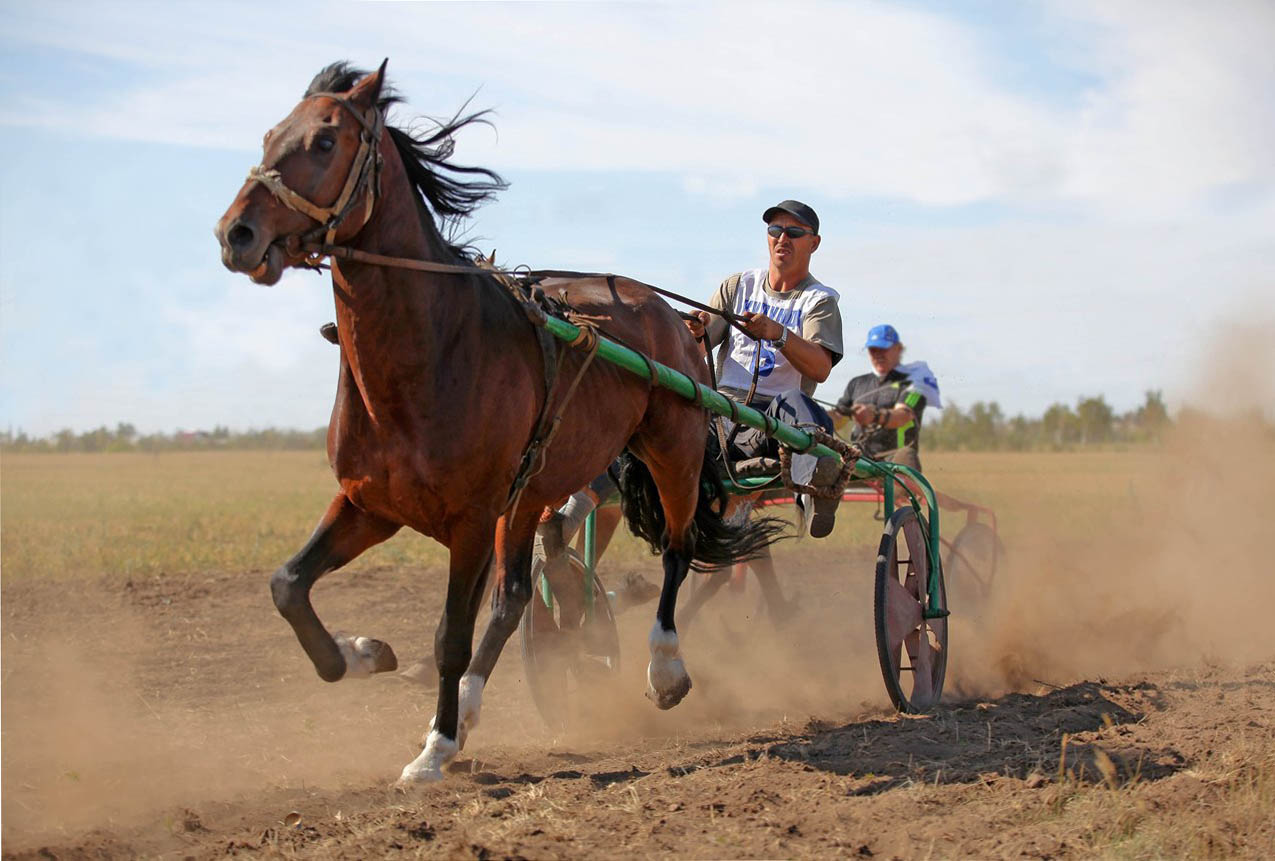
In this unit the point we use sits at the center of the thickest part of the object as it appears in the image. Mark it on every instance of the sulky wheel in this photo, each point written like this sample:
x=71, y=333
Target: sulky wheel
x=567, y=656
x=912, y=649
x=972, y=560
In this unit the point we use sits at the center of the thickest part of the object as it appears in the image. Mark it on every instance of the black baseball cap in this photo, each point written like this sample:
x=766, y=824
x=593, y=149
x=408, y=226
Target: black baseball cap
x=797, y=210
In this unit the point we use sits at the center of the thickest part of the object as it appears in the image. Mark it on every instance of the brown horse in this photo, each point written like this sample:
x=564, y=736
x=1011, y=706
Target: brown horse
x=440, y=386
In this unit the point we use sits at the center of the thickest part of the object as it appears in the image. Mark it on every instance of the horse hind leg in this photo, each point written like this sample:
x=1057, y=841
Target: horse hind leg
x=342, y=534
x=667, y=680
x=674, y=468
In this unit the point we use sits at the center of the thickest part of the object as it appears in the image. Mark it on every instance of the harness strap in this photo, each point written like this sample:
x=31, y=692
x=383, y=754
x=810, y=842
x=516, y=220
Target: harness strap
x=273, y=181
x=849, y=455
x=536, y=453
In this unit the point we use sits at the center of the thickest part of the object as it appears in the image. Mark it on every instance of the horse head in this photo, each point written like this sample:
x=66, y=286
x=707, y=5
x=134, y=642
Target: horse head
x=317, y=182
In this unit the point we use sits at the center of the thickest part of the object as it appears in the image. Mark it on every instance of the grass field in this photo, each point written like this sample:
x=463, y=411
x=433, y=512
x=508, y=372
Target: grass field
x=125, y=515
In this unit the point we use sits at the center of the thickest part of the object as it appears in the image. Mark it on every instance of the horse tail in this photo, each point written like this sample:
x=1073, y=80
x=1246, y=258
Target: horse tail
x=716, y=542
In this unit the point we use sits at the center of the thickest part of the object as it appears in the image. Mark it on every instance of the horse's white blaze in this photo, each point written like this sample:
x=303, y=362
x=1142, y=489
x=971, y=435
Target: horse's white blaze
x=666, y=672
x=428, y=767
x=360, y=660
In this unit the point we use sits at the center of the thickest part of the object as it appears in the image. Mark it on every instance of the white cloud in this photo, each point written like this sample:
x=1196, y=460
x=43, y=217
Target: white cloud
x=885, y=100
x=1185, y=107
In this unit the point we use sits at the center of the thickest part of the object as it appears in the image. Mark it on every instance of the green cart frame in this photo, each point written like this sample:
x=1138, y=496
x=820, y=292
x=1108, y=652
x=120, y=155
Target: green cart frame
x=910, y=599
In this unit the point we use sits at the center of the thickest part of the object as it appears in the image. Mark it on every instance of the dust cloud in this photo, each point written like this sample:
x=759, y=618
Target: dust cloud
x=1179, y=573
x=112, y=715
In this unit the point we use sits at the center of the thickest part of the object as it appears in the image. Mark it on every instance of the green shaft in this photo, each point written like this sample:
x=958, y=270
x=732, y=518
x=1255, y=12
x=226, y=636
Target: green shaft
x=676, y=381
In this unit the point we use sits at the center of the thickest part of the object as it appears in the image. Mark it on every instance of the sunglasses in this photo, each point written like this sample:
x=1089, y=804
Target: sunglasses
x=776, y=231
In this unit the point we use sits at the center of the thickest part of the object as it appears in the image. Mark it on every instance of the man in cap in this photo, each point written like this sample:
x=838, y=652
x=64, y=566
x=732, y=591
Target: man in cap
x=792, y=339
x=886, y=404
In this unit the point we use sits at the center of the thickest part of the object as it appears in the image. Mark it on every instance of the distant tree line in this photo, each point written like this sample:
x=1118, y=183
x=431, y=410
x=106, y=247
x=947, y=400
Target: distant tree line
x=126, y=438
x=1092, y=422
x=982, y=427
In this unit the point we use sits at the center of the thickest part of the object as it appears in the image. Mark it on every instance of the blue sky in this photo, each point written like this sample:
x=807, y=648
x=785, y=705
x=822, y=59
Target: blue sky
x=1048, y=200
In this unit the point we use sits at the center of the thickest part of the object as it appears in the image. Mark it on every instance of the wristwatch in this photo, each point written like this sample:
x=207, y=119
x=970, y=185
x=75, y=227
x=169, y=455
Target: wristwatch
x=781, y=340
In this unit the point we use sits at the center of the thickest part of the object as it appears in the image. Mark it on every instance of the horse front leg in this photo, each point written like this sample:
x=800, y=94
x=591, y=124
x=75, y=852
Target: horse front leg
x=453, y=645
x=344, y=532
x=509, y=596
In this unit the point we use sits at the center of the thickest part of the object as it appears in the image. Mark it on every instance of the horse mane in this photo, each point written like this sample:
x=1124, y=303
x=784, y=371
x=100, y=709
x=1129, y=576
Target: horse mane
x=451, y=191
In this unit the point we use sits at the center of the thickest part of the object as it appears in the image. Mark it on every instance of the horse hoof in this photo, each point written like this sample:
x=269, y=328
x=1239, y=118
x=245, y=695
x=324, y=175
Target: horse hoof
x=422, y=777
x=364, y=656
x=383, y=658
x=665, y=700
x=428, y=767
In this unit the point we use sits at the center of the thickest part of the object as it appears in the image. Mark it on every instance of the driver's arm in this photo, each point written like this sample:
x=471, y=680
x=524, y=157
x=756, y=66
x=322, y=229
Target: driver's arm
x=887, y=417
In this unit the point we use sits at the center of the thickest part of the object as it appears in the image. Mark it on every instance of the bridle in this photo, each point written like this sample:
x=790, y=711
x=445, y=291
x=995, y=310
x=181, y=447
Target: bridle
x=364, y=175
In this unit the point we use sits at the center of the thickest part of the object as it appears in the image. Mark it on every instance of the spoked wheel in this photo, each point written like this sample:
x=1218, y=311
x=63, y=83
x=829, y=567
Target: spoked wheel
x=973, y=559
x=568, y=655
x=912, y=648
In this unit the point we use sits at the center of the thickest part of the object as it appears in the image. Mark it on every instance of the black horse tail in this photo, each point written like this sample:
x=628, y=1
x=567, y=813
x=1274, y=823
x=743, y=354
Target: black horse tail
x=716, y=542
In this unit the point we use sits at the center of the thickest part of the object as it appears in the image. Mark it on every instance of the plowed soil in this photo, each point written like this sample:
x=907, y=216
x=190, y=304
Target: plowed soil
x=175, y=716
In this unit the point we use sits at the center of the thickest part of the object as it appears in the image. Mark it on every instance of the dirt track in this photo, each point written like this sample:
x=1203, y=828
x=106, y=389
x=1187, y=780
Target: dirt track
x=176, y=716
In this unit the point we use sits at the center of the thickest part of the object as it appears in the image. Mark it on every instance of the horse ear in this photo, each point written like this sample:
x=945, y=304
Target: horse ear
x=367, y=91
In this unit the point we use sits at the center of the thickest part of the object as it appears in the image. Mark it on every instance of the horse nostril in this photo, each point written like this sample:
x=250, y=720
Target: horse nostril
x=240, y=236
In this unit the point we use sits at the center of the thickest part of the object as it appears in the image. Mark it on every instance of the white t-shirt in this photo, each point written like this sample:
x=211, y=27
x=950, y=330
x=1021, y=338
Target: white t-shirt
x=810, y=310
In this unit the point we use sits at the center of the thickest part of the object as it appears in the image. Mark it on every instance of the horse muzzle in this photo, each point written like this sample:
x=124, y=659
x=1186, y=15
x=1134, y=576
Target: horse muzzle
x=245, y=249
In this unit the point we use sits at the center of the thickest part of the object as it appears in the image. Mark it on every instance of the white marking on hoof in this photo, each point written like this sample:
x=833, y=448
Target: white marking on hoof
x=359, y=653
x=428, y=767
x=666, y=677
x=471, y=705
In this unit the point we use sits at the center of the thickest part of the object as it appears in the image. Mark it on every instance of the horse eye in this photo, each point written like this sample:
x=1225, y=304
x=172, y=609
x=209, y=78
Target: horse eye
x=324, y=143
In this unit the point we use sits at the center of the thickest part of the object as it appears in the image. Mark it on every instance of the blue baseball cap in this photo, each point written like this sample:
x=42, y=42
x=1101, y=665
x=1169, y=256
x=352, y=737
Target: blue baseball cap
x=883, y=336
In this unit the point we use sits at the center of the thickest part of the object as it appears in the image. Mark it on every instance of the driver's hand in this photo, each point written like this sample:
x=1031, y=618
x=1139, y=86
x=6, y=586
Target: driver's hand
x=863, y=414
x=760, y=326
x=697, y=325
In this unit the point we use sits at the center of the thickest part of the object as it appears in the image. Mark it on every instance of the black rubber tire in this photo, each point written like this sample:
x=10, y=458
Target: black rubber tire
x=900, y=595
x=562, y=667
